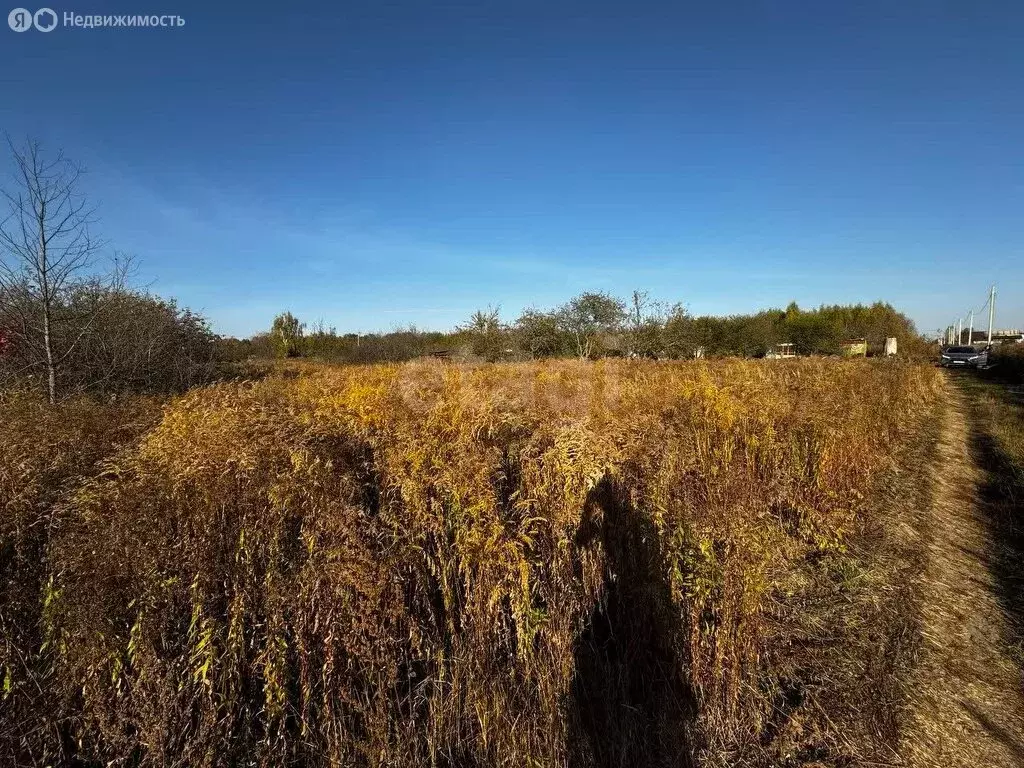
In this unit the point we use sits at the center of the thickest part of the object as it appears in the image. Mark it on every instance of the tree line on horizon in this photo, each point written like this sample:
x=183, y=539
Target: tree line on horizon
x=594, y=325
x=71, y=322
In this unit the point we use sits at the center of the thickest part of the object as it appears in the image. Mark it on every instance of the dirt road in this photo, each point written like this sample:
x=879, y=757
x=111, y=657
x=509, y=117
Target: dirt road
x=968, y=705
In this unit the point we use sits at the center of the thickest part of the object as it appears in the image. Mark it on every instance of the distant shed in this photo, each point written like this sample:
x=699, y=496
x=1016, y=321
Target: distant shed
x=854, y=348
x=781, y=351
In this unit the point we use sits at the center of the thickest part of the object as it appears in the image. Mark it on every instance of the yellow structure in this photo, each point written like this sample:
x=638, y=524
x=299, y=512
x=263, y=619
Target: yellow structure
x=854, y=348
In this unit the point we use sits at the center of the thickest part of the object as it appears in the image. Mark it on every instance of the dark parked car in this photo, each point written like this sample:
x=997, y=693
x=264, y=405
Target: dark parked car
x=963, y=357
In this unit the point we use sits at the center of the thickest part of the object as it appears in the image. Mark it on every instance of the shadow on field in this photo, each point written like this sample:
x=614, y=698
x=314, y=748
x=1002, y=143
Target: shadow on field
x=629, y=703
x=996, y=731
x=1000, y=495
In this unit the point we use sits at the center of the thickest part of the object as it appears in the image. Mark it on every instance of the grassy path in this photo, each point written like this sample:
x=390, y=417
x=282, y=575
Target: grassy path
x=969, y=703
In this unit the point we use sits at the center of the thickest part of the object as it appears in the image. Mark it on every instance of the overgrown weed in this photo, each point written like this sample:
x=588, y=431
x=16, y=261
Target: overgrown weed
x=551, y=564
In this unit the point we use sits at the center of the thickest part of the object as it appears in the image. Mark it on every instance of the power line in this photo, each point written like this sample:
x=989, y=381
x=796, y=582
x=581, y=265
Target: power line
x=956, y=328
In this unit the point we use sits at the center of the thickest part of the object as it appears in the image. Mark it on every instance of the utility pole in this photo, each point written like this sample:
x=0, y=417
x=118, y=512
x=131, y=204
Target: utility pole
x=959, y=331
x=991, y=312
x=970, y=329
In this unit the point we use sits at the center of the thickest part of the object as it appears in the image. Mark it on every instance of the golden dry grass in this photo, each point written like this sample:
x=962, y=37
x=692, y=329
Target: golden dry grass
x=45, y=452
x=536, y=564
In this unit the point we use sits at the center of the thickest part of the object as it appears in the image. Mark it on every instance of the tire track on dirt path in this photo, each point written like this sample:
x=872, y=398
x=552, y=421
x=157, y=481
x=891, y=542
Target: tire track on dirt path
x=968, y=707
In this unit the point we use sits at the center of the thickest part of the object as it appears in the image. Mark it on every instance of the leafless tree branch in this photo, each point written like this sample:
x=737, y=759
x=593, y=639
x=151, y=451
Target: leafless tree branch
x=46, y=248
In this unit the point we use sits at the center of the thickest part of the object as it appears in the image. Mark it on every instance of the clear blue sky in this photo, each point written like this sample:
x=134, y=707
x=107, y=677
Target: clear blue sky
x=375, y=164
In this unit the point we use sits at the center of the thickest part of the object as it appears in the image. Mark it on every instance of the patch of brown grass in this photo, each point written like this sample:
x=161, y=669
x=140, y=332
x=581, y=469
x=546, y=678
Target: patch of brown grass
x=45, y=452
x=535, y=564
x=1009, y=363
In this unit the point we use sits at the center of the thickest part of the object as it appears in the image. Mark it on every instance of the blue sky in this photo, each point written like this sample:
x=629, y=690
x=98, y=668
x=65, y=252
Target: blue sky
x=377, y=164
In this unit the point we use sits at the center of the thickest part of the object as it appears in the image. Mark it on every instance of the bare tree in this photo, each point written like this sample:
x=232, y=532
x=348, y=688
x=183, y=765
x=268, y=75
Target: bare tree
x=48, y=252
x=646, y=325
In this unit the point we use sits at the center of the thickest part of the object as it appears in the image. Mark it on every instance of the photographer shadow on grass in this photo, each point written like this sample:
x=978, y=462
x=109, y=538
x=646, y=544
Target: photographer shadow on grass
x=629, y=703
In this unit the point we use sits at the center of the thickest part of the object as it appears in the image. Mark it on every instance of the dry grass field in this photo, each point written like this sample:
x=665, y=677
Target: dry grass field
x=543, y=564
x=1009, y=363
x=46, y=453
